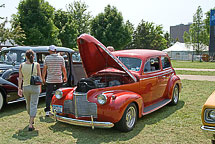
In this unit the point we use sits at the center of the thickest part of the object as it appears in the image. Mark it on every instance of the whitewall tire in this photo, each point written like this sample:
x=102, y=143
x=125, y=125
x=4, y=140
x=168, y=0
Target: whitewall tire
x=1, y=101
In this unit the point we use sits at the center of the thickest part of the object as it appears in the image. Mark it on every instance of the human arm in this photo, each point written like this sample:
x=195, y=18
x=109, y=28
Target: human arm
x=44, y=73
x=39, y=74
x=20, y=81
x=64, y=73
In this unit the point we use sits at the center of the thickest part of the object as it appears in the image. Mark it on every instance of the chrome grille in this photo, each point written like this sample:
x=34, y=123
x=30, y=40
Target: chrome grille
x=80, y=106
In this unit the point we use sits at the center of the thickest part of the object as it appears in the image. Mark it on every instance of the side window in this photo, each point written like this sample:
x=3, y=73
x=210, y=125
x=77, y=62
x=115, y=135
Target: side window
x=165, y=62
x=152, y=65
x=76, y=57
x=41, y=57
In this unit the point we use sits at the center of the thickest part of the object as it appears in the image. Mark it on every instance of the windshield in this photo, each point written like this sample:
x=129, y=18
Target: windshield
x=12, y=56
x=8, y=57
x=133, y=64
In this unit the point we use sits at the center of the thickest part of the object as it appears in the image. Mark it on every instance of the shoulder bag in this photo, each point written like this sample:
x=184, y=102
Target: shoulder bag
x=35, y=80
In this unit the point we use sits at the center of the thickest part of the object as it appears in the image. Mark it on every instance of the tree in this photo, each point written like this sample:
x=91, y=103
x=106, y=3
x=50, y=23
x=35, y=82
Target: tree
x=109, y=28
x=67, y=29
x=80, y=16
x=72, y=23
x=14, y=34
x=197, y=35
x=168, y=39
x=148, y=36
x=36, y=19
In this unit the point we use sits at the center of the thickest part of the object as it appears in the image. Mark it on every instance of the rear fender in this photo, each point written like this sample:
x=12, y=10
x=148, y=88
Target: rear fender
x=174, y=79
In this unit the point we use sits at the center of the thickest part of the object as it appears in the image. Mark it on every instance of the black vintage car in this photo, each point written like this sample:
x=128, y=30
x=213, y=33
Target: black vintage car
x=11, y=58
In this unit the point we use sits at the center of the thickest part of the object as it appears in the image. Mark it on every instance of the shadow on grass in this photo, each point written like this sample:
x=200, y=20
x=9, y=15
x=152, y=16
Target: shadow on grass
x=18, y=107
x=24, y=134
x=46, y=119
x=97, y=136
x=161, y=114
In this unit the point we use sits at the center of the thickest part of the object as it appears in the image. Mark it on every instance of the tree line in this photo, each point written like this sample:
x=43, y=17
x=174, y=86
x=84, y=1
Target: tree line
x=38, y=23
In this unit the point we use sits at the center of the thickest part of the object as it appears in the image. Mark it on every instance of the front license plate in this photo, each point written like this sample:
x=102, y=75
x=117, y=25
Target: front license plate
x=57, y=108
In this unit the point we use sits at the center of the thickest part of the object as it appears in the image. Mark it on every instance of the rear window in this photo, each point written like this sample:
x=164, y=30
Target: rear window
x=165, y=62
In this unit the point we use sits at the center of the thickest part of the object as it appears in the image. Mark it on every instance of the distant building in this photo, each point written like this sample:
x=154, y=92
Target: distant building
x=177, y=32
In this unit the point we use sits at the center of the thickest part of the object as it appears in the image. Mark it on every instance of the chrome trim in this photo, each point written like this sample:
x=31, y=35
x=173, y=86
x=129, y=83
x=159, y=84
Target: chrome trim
x=209, y=132
x=206, y=112
x=79, y=106
x=86, y=123
x=23, y=99
x=157, y=75
x=117, y=61
x=76, y=110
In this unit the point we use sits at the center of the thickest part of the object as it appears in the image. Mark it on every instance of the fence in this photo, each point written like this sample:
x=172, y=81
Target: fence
x=190, y=56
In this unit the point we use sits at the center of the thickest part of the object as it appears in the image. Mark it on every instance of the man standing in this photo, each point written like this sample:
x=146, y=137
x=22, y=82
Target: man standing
x=54, y=65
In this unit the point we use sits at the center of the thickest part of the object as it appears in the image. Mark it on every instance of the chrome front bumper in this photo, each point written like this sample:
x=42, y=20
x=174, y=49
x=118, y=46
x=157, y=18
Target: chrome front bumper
x=209, y=132
x=78, y=122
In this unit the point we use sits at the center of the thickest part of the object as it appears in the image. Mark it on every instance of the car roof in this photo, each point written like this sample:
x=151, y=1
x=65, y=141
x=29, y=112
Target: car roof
x=139, y=53
x=37, y=49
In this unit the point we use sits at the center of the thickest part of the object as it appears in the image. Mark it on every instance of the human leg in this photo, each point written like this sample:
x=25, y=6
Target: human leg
x=27, y=96
x=49, y=90
x=33, y=105
x=34, y=100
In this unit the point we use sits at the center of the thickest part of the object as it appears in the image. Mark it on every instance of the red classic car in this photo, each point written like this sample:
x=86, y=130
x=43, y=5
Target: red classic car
x=120, y=87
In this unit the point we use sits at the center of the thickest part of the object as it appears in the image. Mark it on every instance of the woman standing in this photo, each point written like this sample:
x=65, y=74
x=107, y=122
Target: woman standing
x=30, y=92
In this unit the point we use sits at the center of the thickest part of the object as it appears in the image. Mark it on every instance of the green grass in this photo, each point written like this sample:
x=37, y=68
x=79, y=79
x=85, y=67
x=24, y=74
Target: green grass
x=195, y=64
x=186, y=72
x=169, y=125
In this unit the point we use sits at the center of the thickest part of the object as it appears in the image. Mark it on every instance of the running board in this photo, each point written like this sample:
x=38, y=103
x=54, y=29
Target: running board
x=22, y=98
x=155, y=106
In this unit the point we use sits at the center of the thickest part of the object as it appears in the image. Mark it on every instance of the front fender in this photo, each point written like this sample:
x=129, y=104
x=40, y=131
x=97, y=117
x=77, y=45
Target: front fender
x=114, y=109
x=174, y=79
x=67, y=94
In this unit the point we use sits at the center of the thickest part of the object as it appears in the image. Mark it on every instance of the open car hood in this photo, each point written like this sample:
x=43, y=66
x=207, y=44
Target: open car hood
x=95, y=56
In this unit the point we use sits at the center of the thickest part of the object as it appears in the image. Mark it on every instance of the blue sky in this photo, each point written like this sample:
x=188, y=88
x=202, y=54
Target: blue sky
x=162, y=12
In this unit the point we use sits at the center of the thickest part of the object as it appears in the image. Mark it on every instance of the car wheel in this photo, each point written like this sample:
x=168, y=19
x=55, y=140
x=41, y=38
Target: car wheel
x=175, y=95
x=128, y=119
x=2, y=101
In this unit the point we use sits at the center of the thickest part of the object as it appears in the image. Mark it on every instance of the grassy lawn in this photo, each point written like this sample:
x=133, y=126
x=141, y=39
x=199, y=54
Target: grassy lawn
x=185, y=72
x=195, y=64
x=169, y=125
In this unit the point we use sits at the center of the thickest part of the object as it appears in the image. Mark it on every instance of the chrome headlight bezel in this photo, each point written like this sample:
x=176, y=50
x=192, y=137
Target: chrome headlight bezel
x=209, y=115
x=58, y=93
x=2, y=71
x=102, y=99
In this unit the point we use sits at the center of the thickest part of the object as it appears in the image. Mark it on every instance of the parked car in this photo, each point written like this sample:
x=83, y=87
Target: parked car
x=208, y=118
x=10, y=60
x=120, y=87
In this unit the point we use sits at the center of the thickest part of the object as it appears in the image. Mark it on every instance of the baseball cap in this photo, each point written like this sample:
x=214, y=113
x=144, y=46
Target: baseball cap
x=52, y=48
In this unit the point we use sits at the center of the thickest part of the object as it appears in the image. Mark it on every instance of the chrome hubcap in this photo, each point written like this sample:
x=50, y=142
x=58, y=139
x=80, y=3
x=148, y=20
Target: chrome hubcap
x=130, y=117
x=175, y=95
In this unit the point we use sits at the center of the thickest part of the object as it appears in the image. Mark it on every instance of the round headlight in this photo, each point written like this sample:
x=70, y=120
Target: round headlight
x=102, y=99
x=212, y=114
x=2, y=71
x=58, y=94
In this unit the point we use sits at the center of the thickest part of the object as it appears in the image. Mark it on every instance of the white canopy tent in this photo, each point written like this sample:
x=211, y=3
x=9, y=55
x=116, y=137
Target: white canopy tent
x=181, y=51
